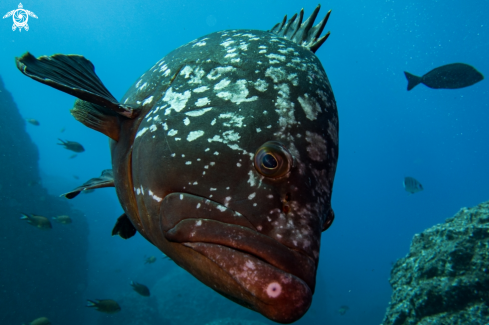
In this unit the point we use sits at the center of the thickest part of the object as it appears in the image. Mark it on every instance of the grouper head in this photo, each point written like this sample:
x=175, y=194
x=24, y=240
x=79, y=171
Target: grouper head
x=224, y=155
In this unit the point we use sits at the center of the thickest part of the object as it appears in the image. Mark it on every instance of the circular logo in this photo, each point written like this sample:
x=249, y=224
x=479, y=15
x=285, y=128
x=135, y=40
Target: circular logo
x=20, y=18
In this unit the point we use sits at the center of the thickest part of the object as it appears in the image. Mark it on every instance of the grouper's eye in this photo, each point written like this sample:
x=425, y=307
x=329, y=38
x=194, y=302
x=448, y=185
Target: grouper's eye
x=273, y=160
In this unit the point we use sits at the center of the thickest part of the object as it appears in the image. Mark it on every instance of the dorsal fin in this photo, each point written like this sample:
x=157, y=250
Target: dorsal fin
x=303, y=33
x=75, y=75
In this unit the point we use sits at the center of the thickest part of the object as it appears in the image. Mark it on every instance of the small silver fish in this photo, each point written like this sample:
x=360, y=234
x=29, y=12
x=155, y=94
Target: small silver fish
x=411, y=185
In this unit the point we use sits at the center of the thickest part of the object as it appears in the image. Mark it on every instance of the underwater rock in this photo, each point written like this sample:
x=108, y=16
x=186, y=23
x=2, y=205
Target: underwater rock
x=445, y=277
x=43, y=273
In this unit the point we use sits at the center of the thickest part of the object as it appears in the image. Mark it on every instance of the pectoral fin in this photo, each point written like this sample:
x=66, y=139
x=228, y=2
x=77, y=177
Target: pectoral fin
x=124, y=228
x=105, y=180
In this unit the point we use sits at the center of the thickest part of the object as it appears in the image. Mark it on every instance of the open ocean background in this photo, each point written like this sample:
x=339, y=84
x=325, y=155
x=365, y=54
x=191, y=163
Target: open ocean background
x=438, y=137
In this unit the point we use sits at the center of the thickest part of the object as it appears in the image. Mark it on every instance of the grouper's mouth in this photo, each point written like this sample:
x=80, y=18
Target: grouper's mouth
x=268, y=270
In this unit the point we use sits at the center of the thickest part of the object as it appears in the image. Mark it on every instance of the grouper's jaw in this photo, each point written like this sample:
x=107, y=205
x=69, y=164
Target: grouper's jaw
x=280, y=281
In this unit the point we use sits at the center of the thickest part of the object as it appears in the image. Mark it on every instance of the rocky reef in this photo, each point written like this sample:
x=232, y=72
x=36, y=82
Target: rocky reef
x=445, y=277
x=43, y=272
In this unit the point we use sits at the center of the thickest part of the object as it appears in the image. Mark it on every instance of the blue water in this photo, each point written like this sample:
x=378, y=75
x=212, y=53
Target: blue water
x=386, y=133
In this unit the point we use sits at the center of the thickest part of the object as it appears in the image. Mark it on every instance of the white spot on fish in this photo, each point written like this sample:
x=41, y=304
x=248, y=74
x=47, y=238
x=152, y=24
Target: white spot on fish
x=198, y=205
x=252, y=178
x=277, y=74
x=222, y=84
x=216, y=153
x=152, y=128
x=261, y=85
x=238, y=164
x=236, y=93
x=194, y=135
x=140, y=133
x=251, y=196
x=202, y=102
x=310, y=106
x=213, y=189
x=148, y=100
x=201, y=89
x=227, y=43
x=181, y=196
x=186, y=121
x=201, y=43
x=316, y=149
x=172, y=132
x=188, y=163
x=198, y=223
x=199, y=112
x=217, y=72
x=186, y=71
x=176, y=100
x=276, y=57
x=220, y=207
x=258, y=130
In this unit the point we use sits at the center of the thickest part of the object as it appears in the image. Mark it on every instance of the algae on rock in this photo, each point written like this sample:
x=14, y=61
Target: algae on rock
x=445, y=277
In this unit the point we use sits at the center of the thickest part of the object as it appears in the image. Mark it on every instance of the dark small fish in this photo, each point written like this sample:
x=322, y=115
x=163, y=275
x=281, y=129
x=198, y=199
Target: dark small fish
x=37, y=221
x=108, y=306
x=71, y=145
x=411, y=185
x=33, y=121
x=150, y=260
x=62, y=130
x=343, y=310
x=40, y=321
x=72, y=156
x=450, y=76
x=140, y=288
x=64, y=219
x=76, y=177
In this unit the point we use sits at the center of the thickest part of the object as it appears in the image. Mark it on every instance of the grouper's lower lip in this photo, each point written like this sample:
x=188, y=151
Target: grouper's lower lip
x=282, y=297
